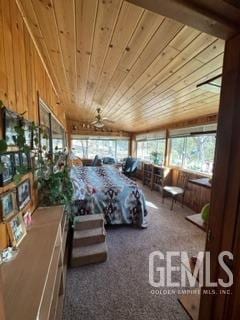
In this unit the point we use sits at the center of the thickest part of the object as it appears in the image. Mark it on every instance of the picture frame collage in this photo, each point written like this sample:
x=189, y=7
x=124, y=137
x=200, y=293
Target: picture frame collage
x=11, y=162
x=12, y=203
x=16, y=199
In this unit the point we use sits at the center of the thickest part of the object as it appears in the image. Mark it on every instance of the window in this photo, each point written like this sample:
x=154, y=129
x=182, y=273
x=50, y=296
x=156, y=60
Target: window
x=89, y=147
x=177, y=151
x=194, y=152
x=122, y=150
x=80, y=148
x=147, y=147
x=53, y=134
x=44, y=115
x=57, y=135
x=199, y=155
x=103, y=148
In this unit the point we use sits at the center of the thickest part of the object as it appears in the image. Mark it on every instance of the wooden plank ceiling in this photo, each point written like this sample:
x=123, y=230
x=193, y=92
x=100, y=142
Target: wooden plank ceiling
x=140, y=67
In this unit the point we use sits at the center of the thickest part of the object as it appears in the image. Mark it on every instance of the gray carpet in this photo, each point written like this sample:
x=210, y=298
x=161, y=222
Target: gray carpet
x=118, y=289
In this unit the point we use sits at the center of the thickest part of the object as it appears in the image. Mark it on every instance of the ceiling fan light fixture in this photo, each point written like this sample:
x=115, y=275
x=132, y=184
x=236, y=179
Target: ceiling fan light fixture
x=99, y=120
x=99, y=125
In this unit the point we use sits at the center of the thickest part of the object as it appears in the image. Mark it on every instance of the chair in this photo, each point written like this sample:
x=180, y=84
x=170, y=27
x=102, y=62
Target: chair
x=97, y=162
x=108, y=160
x=130, y=167
x=178, y=190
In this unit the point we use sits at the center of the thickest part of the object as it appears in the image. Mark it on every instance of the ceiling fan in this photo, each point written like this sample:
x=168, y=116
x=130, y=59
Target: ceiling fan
x=99, y=122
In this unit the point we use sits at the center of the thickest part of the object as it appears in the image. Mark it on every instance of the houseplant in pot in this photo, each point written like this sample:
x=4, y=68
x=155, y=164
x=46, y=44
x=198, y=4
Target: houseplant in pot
x=54, y=183
x=155, y=157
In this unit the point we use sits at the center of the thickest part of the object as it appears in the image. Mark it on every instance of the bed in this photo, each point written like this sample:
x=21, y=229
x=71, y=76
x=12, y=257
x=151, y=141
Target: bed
x=106, y=190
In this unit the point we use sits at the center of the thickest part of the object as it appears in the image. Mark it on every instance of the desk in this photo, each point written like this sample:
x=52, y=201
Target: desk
x=202, y=182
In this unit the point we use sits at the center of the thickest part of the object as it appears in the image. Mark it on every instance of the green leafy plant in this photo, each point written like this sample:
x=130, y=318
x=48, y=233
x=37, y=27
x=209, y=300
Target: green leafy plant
x=3, y=146
x=53, y=180
x=23, y=147
x=20, y=141
x=54, y=183
x=155, y=157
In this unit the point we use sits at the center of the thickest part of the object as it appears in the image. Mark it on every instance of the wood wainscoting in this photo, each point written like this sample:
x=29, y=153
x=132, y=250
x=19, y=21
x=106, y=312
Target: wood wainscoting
x=22, y=72
x=196, y=196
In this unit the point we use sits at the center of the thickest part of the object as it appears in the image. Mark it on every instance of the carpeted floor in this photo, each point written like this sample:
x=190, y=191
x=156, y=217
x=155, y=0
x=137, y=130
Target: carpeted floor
x=119, y=289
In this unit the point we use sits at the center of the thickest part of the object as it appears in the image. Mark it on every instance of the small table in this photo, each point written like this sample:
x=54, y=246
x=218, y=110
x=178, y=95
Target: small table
x=202, y=182
x=197, y=220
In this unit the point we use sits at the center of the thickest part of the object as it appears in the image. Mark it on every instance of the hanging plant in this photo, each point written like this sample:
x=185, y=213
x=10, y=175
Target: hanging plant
x=3, y=146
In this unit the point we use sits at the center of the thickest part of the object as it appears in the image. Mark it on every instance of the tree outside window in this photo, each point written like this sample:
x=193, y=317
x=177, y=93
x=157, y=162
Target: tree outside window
x=193, y=152
x=147, y=147
x=88, y=148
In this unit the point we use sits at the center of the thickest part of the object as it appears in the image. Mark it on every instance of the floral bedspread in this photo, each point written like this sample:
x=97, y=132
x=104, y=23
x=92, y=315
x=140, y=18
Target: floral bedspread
x=106, y=190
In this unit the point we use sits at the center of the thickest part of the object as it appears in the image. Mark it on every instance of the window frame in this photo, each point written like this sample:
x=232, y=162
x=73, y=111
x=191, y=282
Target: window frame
x=45, y=108
x=151, y=139
x=185, y=169
x=104, y=138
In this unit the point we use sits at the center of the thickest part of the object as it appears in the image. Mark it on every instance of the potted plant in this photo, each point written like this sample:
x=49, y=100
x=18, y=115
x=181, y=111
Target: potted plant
x=155, y=157
x=54, y=183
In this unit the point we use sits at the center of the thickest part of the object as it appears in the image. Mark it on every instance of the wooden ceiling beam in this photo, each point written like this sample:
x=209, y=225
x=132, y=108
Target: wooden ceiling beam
x=194, y=15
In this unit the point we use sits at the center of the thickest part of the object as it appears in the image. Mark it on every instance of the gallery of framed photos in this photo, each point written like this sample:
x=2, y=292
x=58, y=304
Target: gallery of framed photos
x=18, y=197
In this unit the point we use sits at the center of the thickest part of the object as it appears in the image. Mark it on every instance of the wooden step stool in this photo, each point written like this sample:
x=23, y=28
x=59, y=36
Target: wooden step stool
x=89, y=240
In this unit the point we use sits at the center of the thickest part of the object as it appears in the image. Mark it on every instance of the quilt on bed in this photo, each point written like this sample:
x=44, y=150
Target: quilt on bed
x=106, y=190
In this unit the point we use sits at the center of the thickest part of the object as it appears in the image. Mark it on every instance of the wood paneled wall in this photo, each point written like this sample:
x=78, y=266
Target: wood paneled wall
x=22, y=78
x=22, y=73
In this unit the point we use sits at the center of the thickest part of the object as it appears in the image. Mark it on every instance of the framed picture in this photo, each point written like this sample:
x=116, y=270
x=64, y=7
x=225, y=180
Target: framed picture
x=10, y=121
x=17, y=160
x=23, y=194
x=28, y=133
x=25, y=160
x=8, y=168
x=8, y=205
x=16, y=229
